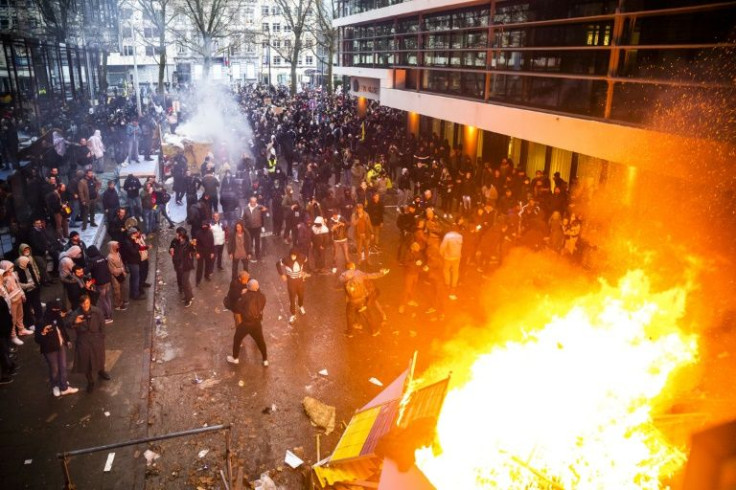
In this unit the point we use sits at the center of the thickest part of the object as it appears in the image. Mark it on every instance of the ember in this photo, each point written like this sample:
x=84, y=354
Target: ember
x=572, y=405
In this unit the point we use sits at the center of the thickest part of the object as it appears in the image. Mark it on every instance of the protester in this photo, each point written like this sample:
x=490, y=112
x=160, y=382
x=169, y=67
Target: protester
x=291, y=270
x=53, y=341
x=89, y=350
x=250, y=307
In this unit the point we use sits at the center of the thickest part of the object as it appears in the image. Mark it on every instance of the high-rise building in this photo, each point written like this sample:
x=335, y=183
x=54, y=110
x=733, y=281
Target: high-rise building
x=588, y=88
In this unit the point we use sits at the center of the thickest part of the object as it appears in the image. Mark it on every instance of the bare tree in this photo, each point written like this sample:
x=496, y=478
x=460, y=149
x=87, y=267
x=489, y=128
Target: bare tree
x=59, y=17
x=326, y=36
x=296, y=14
x=216, y=26
x=161, y=14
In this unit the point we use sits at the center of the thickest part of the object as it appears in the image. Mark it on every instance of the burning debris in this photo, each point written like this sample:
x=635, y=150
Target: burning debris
x=572, y=404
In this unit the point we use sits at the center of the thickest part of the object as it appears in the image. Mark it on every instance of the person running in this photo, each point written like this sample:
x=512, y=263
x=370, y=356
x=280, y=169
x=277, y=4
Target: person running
x=291, y=270
x=250, y=307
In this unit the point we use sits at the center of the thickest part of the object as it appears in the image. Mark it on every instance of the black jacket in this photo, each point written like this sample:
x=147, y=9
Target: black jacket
x=50, y=342
x=129, y=251
x=110, y=199
x=98, y=268
x=183, y=257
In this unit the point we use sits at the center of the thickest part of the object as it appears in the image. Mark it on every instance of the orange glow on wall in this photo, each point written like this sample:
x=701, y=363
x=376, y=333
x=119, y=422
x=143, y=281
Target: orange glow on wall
x=361, y=106
x=470, y=141
x=413, y=123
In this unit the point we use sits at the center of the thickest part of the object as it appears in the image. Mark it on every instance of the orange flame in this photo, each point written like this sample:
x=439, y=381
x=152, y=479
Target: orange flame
x=572, y=405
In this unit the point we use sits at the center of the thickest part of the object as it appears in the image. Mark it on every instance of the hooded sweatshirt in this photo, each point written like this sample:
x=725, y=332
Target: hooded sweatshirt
x=115, y=260
x=66, y=262
x=32, y=264
x=28, y=278
x=10, y=281
x=95, y=145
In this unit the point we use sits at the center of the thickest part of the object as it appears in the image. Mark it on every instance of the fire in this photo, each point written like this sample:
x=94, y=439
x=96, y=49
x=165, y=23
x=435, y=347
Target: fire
x=572, y=405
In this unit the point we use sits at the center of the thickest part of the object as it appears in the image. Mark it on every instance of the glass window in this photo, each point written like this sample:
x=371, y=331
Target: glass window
x=277, y=60
x=264, y=10
x=276, y=27
x=309, y=60
x=149, y=50
x=265, y=27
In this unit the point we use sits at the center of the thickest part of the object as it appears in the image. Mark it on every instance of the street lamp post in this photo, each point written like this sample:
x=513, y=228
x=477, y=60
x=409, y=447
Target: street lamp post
x=135, y=72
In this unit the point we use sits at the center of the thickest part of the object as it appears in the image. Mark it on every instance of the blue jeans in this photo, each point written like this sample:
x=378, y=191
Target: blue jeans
x=134, y=280
x=104, y=300
x=57, y=368
x=135, y=207
x=149, y=218
x=75, y=212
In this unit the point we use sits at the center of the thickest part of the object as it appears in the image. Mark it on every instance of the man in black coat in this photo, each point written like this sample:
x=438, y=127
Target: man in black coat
x=205, y=244
x=250, y=307
x=89, y=353
x=110, y=200
x=182, y=255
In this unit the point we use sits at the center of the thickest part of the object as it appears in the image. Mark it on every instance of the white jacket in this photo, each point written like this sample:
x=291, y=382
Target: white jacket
x=451, y=246
x=95, y=145
x=218, y=233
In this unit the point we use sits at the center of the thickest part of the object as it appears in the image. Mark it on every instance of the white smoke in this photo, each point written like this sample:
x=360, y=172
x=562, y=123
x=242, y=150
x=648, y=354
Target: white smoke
x=216, y=117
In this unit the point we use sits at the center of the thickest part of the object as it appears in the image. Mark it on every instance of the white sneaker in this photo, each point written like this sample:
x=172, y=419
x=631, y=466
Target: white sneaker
x=32, y=328
x=232, y=360
x=302, y=310
x=108, y=321
x=292, y=318
x=70, y=390
x=265, y=363
x=16, y=341
x=56, y=391
x=26, y=331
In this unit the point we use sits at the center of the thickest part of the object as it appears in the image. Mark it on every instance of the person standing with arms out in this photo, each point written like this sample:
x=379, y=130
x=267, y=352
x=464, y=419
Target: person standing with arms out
x=250, y=307
x=218, y=232
x=182, y=255
x=53, y=341
x=253, y=218
x=238, y=247
x=291, y=270
x=89, y=351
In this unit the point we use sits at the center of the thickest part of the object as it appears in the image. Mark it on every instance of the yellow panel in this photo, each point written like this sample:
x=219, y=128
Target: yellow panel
x=355, y=435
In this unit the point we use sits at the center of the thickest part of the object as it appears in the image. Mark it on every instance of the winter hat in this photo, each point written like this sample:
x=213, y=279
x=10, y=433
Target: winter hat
x=23, y=261
x=6, y=265
x=318, y=220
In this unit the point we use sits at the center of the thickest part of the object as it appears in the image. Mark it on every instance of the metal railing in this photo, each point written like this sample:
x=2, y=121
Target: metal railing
x=65, y=456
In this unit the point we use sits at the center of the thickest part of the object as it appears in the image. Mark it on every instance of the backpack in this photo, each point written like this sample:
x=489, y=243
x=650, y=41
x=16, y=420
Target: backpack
x=355, y=290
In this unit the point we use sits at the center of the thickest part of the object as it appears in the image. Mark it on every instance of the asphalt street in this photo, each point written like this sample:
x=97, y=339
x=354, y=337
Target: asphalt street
x=170, y=374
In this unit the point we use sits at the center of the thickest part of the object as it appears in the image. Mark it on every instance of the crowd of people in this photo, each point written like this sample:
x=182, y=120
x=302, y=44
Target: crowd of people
x=314, y=172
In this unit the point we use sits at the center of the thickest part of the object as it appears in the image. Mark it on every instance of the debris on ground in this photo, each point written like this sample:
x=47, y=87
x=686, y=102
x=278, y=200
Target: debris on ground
x=203, y=453
x=320, y=414
x=375, y=381
x=264, y=483
x=150, y=456
x=324, y=372
x=292, y=459
x=108, y=462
